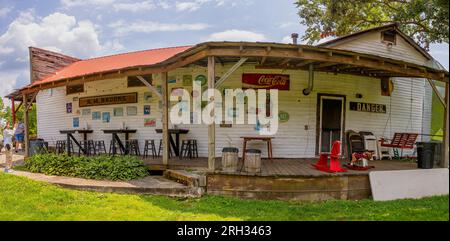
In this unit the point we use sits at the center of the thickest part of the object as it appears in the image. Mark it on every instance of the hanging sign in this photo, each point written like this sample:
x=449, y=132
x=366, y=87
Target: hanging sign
x=266, y=81
x=108, y=99
x=367, y=107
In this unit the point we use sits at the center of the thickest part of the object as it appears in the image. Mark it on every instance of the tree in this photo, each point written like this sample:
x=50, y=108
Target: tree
x=6, y=116
x=426, y=21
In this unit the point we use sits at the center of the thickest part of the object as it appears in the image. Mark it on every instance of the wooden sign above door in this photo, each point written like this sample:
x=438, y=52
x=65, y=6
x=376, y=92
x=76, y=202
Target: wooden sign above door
x=108, y=99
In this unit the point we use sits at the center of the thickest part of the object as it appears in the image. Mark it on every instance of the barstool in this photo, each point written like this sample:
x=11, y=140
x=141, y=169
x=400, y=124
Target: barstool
x=150, y=145
x=100, y=147
x=117, y=148
x=90, y=147
x=133, y=147
x=161, y=148
x=60, y=147
x=189, y=148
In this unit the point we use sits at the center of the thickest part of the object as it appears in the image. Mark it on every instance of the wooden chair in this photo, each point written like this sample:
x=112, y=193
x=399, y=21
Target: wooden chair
x=400, y=141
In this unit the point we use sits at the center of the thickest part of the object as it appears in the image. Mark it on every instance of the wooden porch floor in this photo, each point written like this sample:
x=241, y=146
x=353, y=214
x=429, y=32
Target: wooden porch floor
x=278, y=167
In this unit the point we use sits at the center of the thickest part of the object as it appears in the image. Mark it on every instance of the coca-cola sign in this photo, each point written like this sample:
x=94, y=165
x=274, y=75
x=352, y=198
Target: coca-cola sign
x=265, y=81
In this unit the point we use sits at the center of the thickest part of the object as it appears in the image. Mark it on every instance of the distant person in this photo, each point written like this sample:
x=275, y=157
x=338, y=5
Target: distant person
x=19, y=135
x=7, y=141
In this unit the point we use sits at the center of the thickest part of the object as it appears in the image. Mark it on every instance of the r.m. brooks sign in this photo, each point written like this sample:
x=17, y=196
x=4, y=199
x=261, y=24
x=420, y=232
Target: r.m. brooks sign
x=367, y=107
x=108, y=100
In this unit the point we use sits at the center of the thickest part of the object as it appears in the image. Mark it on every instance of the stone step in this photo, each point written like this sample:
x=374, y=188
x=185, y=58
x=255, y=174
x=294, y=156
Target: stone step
x=187, y=178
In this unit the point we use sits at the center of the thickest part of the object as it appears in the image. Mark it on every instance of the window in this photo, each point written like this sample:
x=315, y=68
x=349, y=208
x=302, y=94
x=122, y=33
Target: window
x=388, y=36
x=133, y=81
x=73, y=89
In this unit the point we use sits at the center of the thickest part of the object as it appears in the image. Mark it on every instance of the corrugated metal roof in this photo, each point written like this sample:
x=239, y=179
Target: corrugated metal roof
x=114, y=62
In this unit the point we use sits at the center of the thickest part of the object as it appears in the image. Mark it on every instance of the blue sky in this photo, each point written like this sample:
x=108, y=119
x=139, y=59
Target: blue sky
x=89, y=28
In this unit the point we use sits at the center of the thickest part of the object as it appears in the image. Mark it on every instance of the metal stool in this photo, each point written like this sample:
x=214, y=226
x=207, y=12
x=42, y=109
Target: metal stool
x=117, y=148
x=89, y=144
x=189, y=148
x=100, y=147
x=133, y=147
x=150, y=145
x=60, y=147
x=161, y=148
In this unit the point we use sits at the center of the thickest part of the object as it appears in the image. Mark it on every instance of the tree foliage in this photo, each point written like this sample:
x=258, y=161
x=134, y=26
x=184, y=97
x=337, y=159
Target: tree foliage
x=6, y=116
x=426, y=21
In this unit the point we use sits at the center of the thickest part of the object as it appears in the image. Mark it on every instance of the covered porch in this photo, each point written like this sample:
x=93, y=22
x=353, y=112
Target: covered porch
x=262, y=56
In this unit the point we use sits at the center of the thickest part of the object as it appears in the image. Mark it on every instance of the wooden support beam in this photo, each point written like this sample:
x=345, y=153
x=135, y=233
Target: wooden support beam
x=26, y=126
x=357, y=60
x=445, y=147
x=285, y=61
x=30, y=103
x=165, y=118
x=304, y=63
x=149, y=86
x=435, y=90
x=211, y=127
x=230, y=71
x=263, y=60
x=325, y=64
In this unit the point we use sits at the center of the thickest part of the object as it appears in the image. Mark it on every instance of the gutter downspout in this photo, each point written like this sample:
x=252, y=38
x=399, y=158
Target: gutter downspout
x=308, y=90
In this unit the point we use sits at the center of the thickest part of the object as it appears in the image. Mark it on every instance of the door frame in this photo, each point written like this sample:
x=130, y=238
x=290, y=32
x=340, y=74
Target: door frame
x=319, y=119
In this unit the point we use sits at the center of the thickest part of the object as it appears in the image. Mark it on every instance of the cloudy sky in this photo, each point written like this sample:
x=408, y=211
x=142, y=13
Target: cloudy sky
x=89, y=28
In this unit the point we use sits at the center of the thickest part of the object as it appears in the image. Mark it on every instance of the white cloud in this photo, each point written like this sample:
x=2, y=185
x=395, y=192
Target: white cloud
x=135, y=6
x=9, y=81
x=194, y=5
x=123, y=28
x=237, y=35
x=4, y=11
x=77, y=3
x=57, y=31
x=188, y=6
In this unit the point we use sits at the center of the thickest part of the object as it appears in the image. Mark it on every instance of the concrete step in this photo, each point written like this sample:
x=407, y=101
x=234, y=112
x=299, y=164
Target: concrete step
x=155, y=185
x=187, y=178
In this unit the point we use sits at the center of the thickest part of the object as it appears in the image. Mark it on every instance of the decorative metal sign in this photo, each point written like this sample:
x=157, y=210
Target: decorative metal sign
x=283, y=116
x=368, y=107
x=266, y=81
x=109, y=99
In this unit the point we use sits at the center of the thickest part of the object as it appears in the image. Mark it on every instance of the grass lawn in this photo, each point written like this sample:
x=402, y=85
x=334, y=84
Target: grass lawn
x=24, y=199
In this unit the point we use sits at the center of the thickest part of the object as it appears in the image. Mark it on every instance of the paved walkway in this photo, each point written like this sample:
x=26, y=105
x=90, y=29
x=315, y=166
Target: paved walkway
x=157, y=185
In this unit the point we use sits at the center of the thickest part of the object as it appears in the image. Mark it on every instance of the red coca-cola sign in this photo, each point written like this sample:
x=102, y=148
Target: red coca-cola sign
x=265, y=81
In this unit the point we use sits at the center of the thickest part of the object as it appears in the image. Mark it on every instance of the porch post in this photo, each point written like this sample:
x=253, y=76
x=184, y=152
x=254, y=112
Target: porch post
x=26, y=125
x=13, y=110
x=211, y=127
x=445, y=148
x=165, y=118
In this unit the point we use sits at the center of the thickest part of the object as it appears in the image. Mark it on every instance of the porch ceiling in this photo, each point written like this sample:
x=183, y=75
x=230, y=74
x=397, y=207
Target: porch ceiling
x=268, y=56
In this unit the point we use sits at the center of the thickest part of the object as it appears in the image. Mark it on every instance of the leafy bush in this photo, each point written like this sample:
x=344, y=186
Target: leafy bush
x=98, y=167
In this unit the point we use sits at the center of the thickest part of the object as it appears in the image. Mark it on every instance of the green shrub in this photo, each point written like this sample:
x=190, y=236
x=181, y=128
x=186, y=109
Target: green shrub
x=98, y=167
